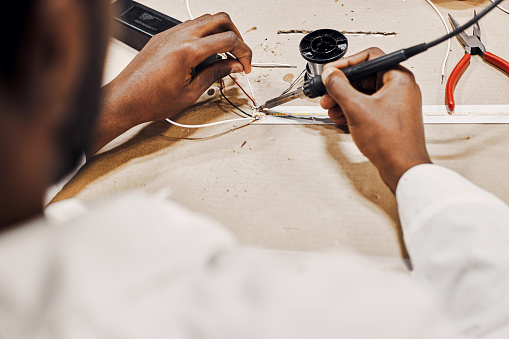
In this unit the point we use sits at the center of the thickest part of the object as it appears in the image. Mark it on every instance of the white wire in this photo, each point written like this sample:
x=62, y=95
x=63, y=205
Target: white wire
x=250, y=88
x=188, y=5
x=448, y=41
x=271, y=64
x=208, y=125
x=502, y=8
x=189, y=10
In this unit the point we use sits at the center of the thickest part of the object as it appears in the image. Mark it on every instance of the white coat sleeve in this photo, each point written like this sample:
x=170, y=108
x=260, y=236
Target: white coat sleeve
x=457, y=236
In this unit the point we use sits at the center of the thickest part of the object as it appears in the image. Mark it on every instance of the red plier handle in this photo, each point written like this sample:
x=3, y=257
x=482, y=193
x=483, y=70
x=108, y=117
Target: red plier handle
x=462, y=66
x=496, y=61
x=453, y=80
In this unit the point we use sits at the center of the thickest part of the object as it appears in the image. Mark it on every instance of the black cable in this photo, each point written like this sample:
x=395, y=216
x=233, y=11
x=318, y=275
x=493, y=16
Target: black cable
x=465, y=26
x=316, y=88
x=231, y=103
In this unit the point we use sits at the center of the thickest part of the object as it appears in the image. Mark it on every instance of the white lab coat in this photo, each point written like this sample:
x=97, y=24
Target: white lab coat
x=139, y=267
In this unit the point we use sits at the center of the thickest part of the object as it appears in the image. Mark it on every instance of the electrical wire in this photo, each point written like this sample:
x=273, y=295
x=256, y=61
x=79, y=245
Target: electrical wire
x=217, y=122
x=231, y=103
x=392, y=59
x=251, y=89
x=254, y=64
x=294, y=82
x=448, y=42
x=465, y=26
x=211, y=124
x=271, y=65
x=188, y=5
x=243, y=90
x=502, y=8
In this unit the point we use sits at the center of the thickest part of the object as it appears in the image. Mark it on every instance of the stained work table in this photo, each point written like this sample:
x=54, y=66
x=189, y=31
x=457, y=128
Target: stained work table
x=296, y=187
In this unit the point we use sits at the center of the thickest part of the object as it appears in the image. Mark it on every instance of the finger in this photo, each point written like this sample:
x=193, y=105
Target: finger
x=366, y=84
x=348, y=98
x=337, y=115
x=396, y=80
x=396, y=74
x=222, y=43
x=212, y=24
x=368, y=54
x=340, y=121
x=208, y=76
x=327, y=102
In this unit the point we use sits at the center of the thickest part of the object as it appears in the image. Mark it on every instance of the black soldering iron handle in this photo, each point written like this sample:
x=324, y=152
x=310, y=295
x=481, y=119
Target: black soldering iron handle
x=315, y=88
x=384, y=62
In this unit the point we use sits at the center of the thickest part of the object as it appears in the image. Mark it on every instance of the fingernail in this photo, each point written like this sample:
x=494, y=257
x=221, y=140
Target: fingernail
x=237, y=69
x=326, y=73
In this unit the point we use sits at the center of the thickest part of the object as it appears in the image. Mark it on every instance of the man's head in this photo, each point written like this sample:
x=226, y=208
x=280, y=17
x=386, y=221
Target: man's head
x=50, y=73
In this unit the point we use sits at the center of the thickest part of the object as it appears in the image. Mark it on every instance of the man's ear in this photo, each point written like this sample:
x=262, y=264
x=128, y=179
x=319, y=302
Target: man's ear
x=53, y=52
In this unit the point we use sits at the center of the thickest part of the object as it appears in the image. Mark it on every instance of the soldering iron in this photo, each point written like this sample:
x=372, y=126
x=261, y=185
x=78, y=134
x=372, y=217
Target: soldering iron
x=325, y=43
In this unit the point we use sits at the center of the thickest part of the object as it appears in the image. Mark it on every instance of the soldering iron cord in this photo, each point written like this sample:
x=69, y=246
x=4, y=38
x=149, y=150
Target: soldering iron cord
x=501, y=8
x=384, y=62
x=465, y=26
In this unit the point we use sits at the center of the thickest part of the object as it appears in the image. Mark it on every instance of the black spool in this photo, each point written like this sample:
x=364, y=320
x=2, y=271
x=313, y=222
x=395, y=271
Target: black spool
x=321, y=47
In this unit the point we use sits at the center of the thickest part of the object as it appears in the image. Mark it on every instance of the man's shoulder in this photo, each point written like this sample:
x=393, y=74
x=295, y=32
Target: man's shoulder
x=140, y=220
x=129, y=211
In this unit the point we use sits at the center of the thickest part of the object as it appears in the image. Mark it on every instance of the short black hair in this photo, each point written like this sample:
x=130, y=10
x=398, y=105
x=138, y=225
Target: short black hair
x=14, y=26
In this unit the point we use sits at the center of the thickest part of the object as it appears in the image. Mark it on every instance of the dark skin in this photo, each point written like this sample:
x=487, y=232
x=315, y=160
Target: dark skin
x=386, y=125
x=28, y=151
x=156, y=85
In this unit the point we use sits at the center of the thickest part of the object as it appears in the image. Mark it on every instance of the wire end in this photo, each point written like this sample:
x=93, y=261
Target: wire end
x=258, y=112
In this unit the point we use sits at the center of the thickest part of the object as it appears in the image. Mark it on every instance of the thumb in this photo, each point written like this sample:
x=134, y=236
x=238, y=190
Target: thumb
x=213, y=73
x=338, y=87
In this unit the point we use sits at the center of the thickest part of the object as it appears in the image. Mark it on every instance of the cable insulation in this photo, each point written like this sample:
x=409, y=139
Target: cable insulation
x=188, y=5
x=250, y=89
x=243, y=90
x=502, y=8
x=189, y=10
x=465, y=26
x=231, y=103
x=272, y=65
x=208, y=125
x=448, y=42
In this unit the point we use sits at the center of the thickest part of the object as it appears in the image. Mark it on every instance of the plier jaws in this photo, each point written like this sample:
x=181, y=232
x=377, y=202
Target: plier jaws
x=472, y=45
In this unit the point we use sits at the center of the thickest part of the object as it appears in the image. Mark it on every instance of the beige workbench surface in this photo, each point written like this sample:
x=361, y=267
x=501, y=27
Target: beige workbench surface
x=306, y=188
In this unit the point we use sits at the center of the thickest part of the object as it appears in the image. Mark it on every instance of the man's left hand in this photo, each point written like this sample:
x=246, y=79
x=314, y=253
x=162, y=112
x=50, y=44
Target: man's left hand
x=157, y=84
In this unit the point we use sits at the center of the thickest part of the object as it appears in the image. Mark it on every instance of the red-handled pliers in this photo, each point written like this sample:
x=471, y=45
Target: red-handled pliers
x=473, y=45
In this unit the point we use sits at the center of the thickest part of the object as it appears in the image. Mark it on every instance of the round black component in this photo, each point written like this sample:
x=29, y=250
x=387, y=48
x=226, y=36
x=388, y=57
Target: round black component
x=314, y=87
x=323, y=46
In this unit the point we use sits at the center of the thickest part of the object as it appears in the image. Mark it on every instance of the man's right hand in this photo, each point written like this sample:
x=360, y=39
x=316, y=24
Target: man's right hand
x=386, y=125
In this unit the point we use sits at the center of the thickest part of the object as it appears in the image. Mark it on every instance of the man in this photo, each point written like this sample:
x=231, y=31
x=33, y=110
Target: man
x=139, y=267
